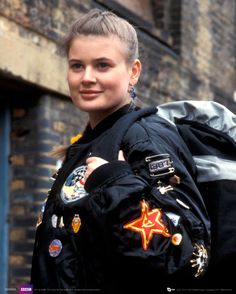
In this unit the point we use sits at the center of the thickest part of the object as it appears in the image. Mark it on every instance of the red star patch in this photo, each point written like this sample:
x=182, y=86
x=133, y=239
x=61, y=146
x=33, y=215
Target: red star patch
x=147, y=224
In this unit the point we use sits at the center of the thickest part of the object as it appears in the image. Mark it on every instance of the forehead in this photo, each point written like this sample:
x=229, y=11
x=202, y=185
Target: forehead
x=93, y=46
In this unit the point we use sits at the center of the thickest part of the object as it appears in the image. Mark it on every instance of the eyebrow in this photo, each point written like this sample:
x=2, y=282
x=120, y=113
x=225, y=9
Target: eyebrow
x=96, y=60
x=103, y=58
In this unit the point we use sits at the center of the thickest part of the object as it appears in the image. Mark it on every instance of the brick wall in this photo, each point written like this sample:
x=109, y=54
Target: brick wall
x=200, y=64
x=35, y=130
x=203, y=34
x=208, y=50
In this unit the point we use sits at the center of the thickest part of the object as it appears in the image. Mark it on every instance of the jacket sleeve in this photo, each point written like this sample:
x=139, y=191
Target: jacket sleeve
x=151, y=225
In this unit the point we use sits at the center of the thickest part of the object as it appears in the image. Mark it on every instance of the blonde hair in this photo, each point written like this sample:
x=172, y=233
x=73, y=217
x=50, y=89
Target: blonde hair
x=104, y=23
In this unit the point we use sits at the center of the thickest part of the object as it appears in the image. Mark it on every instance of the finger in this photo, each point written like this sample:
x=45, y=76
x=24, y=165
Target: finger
x=90, y=160
x=86, y=176
x=121, y=155
x=95, y=160
x=89, y=170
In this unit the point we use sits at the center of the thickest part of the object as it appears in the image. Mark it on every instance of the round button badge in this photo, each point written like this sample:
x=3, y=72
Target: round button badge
x=55, y=248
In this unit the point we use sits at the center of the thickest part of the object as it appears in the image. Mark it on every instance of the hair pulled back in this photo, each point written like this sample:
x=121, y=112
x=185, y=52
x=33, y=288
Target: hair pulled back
x=104, y=23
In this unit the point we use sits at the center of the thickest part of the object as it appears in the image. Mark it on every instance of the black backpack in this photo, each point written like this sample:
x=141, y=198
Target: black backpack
x=209, y=131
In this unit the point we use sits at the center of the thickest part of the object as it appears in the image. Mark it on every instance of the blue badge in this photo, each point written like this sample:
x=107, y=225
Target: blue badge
x=55, y=248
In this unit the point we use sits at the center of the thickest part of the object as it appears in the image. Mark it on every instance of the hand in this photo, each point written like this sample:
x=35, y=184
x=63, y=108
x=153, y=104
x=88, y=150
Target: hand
x=94, y=162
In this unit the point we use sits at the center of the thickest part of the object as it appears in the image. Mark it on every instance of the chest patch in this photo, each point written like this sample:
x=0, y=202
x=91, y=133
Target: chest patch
x=73, y=188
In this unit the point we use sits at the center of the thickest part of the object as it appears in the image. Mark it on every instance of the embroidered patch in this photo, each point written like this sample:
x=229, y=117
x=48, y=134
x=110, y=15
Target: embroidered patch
x=149, y=223
x=73, y=188
x=55, y=248
x=200, y=259
x=160, y=165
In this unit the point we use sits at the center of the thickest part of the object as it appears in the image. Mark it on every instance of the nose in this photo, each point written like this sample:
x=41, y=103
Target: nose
x=88, y=76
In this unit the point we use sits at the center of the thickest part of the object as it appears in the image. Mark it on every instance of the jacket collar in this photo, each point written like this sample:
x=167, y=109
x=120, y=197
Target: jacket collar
x=91, y=134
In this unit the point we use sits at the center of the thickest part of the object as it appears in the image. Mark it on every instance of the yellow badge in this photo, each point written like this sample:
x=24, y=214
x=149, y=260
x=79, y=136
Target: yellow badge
x=75, y=138
x=76, y=223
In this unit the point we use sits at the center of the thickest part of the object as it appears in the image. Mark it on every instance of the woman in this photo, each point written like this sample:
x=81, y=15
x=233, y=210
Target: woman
x=124, y=213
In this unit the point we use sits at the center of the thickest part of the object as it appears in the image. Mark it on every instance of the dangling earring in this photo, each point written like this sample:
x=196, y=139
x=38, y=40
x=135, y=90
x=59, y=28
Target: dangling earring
x=132, y=92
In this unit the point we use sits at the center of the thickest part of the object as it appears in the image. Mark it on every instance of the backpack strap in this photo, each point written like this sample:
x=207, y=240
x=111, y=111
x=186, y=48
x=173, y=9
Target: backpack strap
x=111, y=144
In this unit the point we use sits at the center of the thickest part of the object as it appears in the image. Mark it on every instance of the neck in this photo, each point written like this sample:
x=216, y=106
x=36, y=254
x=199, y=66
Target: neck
x=96, y=117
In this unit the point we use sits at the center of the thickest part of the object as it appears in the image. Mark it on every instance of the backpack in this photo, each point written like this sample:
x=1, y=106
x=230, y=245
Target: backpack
x=209, y=131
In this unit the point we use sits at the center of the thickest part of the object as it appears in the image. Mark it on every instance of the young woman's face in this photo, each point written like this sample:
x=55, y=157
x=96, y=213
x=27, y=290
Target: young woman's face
x=98, y=74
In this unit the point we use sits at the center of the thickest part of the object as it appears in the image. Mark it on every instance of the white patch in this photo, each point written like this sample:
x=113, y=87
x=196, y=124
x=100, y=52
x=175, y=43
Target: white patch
x=173, y=217
x=73, y=188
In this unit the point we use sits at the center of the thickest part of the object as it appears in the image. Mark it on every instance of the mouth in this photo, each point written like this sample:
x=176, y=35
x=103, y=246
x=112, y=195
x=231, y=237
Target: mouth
x=89, y=94
x=89, y=91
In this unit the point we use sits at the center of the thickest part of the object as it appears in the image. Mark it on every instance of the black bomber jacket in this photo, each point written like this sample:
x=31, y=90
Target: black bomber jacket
x=134, y=224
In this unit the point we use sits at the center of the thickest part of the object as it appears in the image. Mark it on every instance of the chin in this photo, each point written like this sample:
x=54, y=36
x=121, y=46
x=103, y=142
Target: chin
x=93, y=106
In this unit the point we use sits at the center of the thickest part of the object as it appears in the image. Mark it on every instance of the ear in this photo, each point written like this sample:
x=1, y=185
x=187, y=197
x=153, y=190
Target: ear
x=135, y=72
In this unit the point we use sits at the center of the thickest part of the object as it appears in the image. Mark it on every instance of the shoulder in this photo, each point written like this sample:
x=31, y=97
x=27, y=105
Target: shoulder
x=153, y=132
x=147, y=127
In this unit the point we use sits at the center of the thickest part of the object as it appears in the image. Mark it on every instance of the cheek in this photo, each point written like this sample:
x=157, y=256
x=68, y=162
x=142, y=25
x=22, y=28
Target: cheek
x=73, y=80
x=117, y=83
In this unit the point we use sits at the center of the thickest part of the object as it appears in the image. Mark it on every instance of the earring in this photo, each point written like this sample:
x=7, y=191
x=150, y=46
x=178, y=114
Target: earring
x=132, y=93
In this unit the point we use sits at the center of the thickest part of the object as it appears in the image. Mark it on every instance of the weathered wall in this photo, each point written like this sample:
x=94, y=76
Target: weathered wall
x=205, y=68
x=36, y=129
x=208, y=50
x=31, y=57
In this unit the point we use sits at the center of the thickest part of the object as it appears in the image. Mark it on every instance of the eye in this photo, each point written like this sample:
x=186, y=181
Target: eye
x=76, y=66
x=103, y=65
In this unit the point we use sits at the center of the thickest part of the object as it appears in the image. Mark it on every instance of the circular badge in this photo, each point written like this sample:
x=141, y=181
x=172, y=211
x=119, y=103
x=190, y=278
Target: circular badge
x=176, y=239
x=73, y=188
x=55, y=248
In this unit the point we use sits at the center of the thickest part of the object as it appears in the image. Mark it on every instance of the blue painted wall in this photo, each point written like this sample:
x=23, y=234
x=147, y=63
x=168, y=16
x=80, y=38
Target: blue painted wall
x=4, y=195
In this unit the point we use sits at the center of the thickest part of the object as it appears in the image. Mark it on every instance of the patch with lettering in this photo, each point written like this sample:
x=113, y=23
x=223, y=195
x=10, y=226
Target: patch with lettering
x=160, y=165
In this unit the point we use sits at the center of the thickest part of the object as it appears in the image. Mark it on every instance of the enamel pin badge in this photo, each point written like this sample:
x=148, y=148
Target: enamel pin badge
x=76, y=223
x=55, y=248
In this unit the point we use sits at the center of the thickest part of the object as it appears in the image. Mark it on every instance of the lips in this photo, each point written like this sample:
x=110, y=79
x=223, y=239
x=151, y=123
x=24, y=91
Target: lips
x=89, y=94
